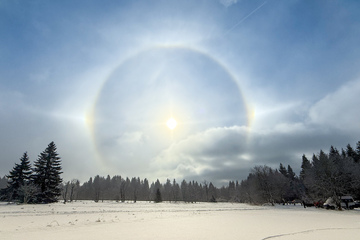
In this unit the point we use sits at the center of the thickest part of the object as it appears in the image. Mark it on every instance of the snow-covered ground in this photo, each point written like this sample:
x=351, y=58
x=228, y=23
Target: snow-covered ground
x=142, y=220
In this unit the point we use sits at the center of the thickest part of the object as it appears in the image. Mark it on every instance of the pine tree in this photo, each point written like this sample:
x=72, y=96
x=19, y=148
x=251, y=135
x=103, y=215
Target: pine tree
x=47, y=174
x=18, y=177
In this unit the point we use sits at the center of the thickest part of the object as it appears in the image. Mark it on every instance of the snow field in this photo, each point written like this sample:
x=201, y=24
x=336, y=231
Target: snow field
x=144, y=220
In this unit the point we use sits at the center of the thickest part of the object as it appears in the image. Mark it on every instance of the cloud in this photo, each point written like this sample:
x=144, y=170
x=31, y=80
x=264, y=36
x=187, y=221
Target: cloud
x=339, y=109
x=229, y=153
x=208, y=145
x=136, y=137
x=228, y=3
x=207, y=151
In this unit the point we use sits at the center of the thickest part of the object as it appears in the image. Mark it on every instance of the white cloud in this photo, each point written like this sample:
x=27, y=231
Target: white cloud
x=136, y=137
x=339, y=109
x=268, y=113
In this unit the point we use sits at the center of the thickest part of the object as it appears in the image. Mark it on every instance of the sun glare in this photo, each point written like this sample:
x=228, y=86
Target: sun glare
x=171, y=123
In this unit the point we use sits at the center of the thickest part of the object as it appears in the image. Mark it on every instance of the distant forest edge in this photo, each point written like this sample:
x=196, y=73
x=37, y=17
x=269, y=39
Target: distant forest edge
x=332, y=174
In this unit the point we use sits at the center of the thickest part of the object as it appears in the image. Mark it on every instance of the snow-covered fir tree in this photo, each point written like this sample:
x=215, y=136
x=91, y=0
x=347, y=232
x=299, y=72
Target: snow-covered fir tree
x=47, y=170
x=18, y=177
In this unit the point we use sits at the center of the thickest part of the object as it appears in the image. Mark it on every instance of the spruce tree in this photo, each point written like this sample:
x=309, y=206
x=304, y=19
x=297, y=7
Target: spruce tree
x=305, y=167
x=357, y=152
x=290, y=173
x=18, y=177
x=47, y=174
x=283, y=170
x=158, y=197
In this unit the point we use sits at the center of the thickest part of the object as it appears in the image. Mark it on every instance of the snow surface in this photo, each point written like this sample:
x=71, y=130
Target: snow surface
x=143, y=220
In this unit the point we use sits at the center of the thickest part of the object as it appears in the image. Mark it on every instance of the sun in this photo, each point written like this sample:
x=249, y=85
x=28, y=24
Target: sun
x=171, y=123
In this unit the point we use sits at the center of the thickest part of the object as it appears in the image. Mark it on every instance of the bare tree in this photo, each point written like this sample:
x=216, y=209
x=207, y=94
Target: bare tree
x=73, y=187
x=270, y=184
x=65, y=190
x=28, y=192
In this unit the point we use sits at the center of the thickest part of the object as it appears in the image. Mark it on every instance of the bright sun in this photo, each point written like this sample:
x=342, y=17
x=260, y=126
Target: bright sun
x=171, y=123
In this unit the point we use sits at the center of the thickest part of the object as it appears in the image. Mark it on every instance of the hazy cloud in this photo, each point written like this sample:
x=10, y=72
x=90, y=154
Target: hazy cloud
x=132, y=138
x=228, y=3
x=339, y=109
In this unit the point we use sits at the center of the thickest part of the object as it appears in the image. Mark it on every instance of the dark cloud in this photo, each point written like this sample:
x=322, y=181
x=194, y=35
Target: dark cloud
x=229, y=153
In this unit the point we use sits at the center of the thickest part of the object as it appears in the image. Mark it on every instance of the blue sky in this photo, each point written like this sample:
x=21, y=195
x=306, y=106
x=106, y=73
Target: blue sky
x=249, y=83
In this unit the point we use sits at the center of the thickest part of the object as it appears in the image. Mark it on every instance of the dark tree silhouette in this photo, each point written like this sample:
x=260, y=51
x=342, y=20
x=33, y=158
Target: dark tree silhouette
x=158, y=197
x=46, y=175
x=18, y=177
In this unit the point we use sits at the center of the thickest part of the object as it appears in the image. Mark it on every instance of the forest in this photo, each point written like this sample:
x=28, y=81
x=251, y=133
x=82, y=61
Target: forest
x=325, y=175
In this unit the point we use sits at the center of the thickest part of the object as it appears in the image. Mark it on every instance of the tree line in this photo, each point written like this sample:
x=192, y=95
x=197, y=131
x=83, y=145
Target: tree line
x=38, y=184
x=122, y=189
x=332, y=174
x=326, y=175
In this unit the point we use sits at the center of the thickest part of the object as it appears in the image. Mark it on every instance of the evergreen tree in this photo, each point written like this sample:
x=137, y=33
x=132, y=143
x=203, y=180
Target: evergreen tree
x=184, y=191
x=154, y=189
x=358, y=147
x=168, y=190
x=356, y=156
x=343, y=153
x=145, y=190
x=47, y=174
x=290, y=173
x=175, y=191
x=158, y=197
x=212, y=192
x=282, y=170
x=134, y=186
x=18, y=177
x=97, y=187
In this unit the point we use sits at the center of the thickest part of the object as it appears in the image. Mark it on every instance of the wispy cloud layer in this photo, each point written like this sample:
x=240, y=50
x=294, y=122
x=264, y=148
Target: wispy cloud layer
x=339, y=109
x=228, y=3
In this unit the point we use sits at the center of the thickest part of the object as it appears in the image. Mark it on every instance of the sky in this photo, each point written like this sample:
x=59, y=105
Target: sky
x=248, y=83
